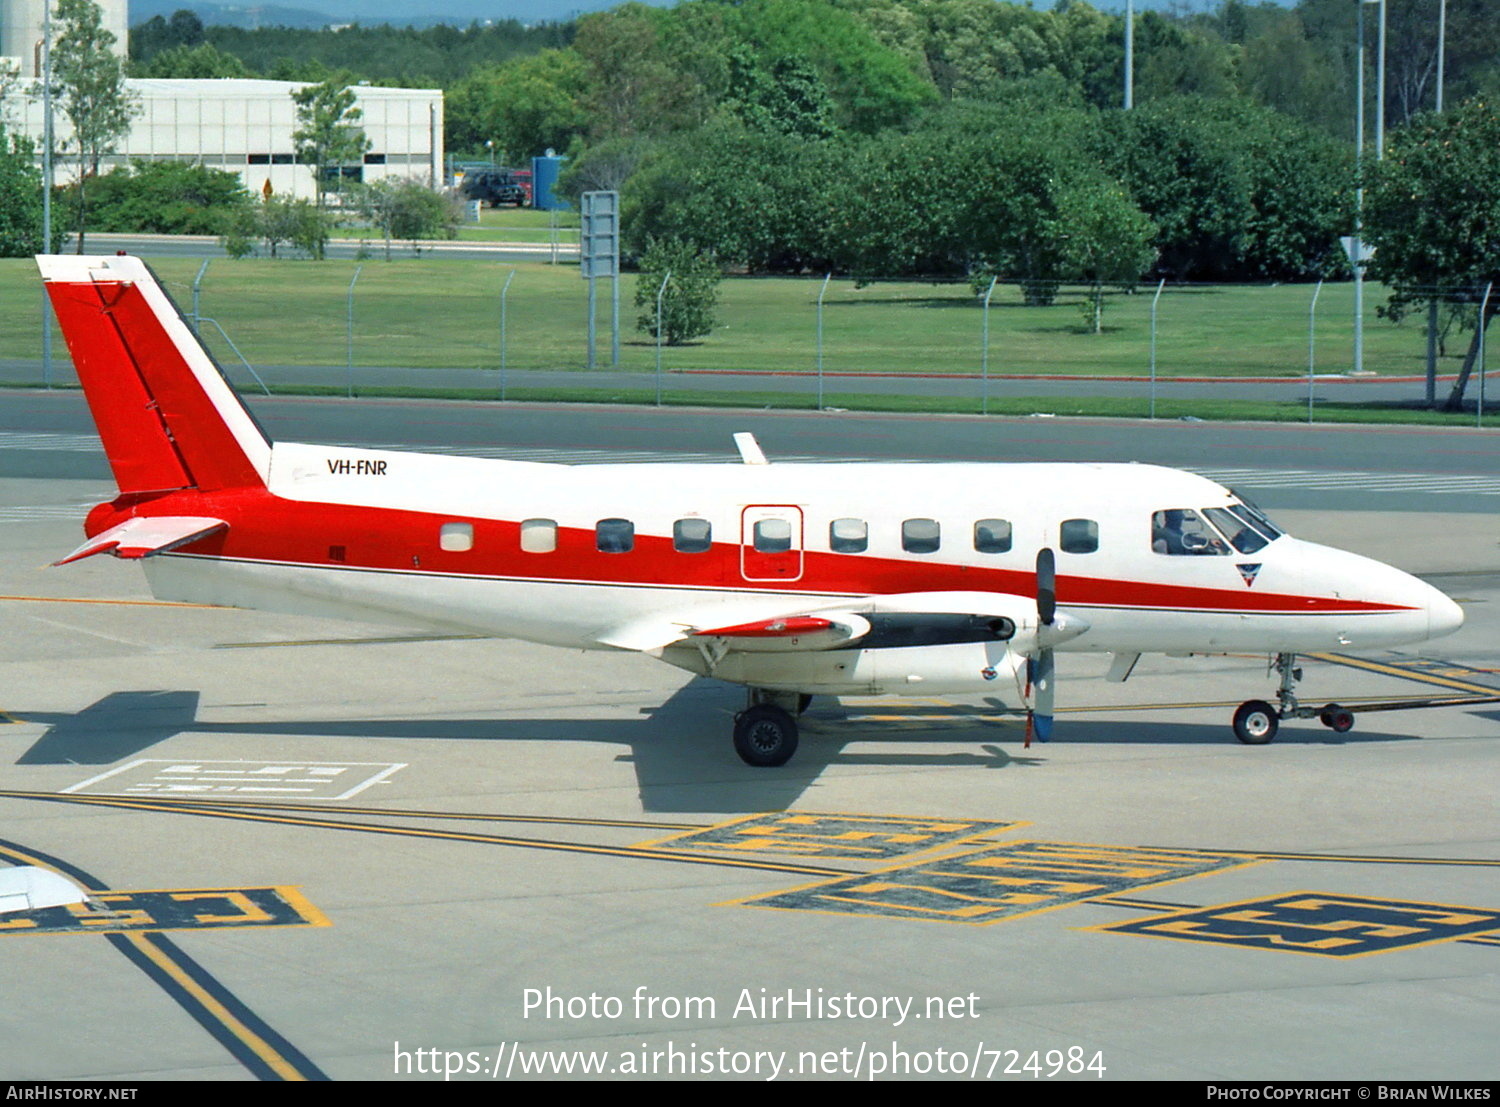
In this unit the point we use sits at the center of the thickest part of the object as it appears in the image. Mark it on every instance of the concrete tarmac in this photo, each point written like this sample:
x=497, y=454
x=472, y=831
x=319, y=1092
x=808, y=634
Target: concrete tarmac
x=325, y=849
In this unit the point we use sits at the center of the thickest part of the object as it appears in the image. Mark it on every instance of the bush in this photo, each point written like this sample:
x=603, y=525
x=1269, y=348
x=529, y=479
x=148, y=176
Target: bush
x=691, y=296
x=275, y=221
x=163, y=197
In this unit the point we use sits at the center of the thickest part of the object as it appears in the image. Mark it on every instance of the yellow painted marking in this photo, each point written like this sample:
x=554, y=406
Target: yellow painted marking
x=778, y=832
x=445, y=835
x=245, y=908
x=1191, y=924
x=258, y=1045
x=1406, y=674
x=109, y=603
x=118, y=800
x=876, y=883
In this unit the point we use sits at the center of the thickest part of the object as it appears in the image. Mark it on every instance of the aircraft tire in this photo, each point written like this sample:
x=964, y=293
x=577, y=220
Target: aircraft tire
x=765, y=736
x=1255, y=723
x=1338, y=719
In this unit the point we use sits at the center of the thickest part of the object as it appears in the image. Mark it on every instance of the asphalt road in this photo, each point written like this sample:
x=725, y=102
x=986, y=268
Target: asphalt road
x=1370, y=468
x=207, y=246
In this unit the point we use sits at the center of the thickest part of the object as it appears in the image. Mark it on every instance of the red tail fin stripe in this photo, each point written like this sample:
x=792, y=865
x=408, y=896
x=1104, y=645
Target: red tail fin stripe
x=140, y=351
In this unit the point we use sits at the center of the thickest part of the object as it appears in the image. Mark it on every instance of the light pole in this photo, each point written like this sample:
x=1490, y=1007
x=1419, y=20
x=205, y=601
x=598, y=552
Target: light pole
x=1129, y=54
x=1357, y=255
x=1442, y=41
x=46, y=184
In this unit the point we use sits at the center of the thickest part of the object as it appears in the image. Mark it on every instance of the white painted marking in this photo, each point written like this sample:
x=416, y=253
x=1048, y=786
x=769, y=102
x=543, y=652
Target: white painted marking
x=311, y=780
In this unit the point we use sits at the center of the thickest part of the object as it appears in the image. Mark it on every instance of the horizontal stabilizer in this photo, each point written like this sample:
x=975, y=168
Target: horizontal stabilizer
x=145, y=536
x=29, y=888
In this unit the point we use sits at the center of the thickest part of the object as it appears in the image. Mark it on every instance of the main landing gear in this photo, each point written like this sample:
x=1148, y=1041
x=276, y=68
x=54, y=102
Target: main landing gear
x=1256, y=721
x=765, y=733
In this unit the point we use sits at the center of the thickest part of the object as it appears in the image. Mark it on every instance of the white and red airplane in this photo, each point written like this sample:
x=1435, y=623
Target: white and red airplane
x=793, y=580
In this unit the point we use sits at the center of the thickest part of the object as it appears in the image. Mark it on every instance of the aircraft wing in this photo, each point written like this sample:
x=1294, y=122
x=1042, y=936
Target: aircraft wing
x=769, y=625
x=142, y=537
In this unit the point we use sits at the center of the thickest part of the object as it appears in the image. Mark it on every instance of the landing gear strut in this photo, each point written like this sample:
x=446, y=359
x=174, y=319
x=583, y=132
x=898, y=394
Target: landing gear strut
x=1256, y=721
x=765, y=733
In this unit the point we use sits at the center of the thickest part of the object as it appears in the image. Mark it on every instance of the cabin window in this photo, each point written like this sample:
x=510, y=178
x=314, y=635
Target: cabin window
x=614, y=536
x=538, y=535
x=920, y=536
x=848, y=536
x=692, y=536
x=1179, y=530
x=1079, y=536
x=773, y=535
x=456, y=537
x=992, y=536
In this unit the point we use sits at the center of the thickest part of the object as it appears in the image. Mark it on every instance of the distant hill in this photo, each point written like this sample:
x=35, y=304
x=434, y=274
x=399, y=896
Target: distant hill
x=460, y=13
x=456, y=13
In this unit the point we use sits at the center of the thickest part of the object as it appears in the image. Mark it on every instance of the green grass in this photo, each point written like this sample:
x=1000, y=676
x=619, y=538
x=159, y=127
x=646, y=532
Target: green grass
x=499, y=225
x=433, y=313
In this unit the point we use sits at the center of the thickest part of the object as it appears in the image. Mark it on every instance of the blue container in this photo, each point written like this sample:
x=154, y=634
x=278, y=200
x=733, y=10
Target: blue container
x=544, y=173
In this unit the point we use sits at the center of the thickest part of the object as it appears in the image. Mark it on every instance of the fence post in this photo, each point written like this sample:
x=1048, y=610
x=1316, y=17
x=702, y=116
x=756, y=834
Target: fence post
x=984, y=360
x=1312, y=318
x=660, y=292
x=1483, y=308
x=357, y=268
x=822, y=292
x=197, y=288
x=1154, y=299
x=504, y=289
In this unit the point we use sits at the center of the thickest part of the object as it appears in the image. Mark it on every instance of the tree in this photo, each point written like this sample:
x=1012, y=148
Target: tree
x=274, y=221
x=524, y=106
x=20, y=199
x=691, y=295
x=407, y=209
x=1433, y=216
x=328, y=135
x=194, y=62
x=90, y=80
x=1109, y=241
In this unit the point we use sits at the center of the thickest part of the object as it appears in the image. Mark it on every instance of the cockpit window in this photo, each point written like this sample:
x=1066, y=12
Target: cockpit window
x=1242, y=536
x=1180, y=531
x=1256, y=518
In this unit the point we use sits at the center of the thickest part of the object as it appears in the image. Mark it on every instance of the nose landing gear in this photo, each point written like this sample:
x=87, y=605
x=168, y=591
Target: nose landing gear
x=1256, y=721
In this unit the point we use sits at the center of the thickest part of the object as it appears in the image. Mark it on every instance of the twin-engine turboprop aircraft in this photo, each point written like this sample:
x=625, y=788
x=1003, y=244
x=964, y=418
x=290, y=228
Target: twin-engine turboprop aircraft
x=793, y=580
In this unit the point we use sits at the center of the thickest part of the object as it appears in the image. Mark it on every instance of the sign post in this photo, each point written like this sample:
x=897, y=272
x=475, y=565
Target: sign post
x=599, y=256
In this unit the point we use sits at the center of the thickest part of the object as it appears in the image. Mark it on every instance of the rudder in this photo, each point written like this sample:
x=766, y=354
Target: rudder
x=165, y=413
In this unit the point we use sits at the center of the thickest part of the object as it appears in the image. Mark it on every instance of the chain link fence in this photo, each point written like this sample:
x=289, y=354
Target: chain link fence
x=488, y=329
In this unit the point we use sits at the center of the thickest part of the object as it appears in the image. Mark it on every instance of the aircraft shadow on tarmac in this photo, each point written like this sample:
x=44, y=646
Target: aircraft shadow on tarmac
x=680, y=750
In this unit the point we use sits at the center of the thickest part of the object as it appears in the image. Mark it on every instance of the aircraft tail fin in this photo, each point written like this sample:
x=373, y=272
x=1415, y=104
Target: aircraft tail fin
x=167, y=416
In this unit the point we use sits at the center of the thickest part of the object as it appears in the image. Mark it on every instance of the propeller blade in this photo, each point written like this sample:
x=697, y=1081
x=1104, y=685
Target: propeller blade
x=1044, y=702
x=1046, y=586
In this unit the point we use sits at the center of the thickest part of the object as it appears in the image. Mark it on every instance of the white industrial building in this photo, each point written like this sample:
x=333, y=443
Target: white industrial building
x=240, y=125
x=245, y=127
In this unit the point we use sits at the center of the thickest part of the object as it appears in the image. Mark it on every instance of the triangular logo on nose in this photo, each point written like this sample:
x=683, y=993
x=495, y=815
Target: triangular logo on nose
x=1248, y=572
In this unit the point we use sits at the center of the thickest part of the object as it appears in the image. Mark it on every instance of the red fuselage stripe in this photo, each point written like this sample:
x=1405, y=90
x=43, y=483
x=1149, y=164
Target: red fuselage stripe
x=268, y=528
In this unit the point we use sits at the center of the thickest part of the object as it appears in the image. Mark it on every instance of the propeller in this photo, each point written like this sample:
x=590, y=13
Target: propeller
x=1039, y=670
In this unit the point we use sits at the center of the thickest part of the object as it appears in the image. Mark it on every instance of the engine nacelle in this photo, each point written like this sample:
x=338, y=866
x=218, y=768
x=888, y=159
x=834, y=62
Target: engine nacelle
x=958, y=667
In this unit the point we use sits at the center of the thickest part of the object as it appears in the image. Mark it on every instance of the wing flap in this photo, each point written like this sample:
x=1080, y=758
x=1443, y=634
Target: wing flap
x=144, y=536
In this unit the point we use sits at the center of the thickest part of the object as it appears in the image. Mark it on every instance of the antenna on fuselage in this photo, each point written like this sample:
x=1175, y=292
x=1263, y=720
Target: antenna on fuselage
x=750, y=451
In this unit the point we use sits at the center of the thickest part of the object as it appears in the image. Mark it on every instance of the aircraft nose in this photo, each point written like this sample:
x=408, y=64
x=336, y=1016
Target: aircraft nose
x=1443, y=615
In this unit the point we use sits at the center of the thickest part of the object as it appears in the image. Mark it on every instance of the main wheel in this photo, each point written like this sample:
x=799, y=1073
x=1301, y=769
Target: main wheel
x=1255, y=723
x=765, y=736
